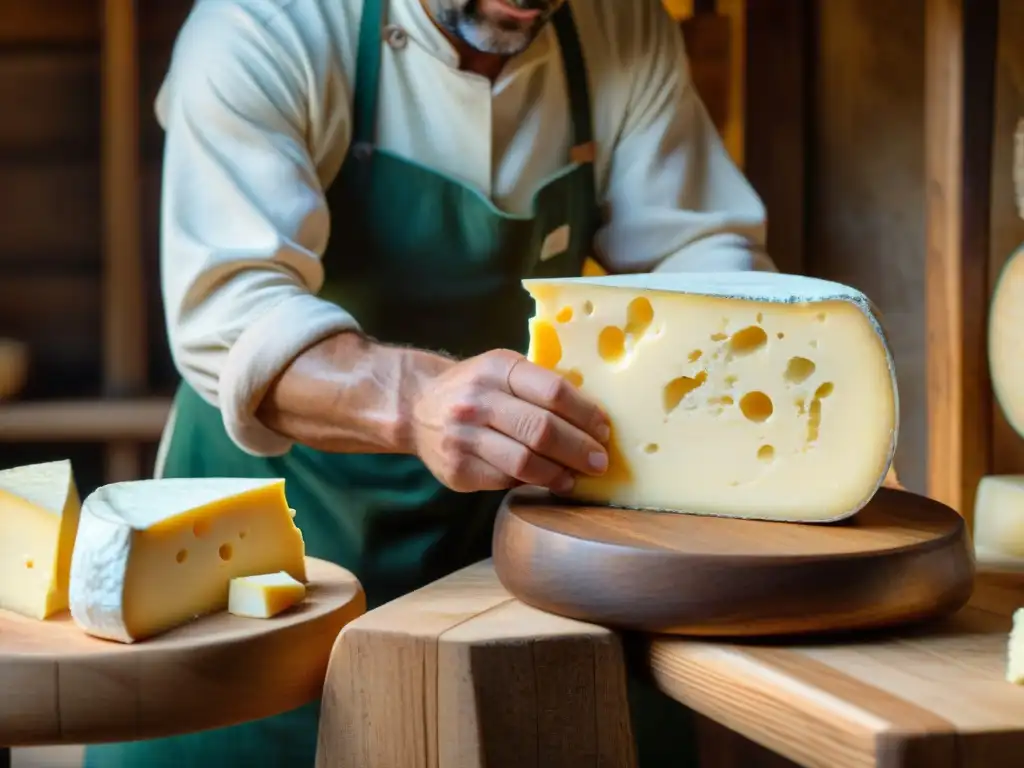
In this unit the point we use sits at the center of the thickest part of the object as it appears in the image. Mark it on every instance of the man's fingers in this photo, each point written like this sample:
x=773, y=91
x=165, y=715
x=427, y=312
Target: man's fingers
x=547, y=435
x=517, y=460
x=547, y=390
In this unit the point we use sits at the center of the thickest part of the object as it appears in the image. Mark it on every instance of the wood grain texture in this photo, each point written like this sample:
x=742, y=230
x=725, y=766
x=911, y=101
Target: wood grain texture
x=960, y=45
x=902, y=558
x=460, y=675
x=218, y=671
x=931, y=697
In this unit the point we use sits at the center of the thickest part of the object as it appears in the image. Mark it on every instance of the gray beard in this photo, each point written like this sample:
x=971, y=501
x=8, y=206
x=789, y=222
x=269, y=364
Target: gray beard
x=483, y=35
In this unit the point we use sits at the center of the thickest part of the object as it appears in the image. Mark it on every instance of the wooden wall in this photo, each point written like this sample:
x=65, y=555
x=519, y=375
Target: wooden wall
x=50, y=200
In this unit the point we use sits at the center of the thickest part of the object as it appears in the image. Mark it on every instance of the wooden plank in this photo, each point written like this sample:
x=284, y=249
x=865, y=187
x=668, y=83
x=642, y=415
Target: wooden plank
x=84, y=420
x=960, y=71
x=1007, y=224
x=928, y=697
x=776, y=106
x=460, y=675
x=50, y=215
x=59, y=318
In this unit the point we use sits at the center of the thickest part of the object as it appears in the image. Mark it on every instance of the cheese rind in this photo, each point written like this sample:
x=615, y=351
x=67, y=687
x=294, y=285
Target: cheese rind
x=1015, y=650
x=154, y=554
x=1006, y=342
x=39, y=513
x=742, y=394
x=265, y=595
x=999, y=517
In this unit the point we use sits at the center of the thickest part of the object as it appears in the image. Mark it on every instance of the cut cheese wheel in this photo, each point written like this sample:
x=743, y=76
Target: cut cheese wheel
x=263, y=596
x=39, y=508
x=154, y=554
x=742, y=394
x=1006, y=343
x=999, y=517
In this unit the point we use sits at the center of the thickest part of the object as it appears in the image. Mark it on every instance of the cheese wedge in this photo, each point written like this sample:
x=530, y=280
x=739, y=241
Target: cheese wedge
x=999, y=518
x=263, y=596
x=39, y=509
x=741, y=394
x=1015, y=650
x=1005, y=342
x=154, y=554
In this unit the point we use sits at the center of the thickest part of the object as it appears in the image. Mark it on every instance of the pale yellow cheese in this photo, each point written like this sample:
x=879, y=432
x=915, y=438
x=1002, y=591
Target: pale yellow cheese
x=1015, y=650
x=755, y=395
x=1006, y=342
x=154, y=554
x=999, y=518
x=265, y=595
x=39, y=508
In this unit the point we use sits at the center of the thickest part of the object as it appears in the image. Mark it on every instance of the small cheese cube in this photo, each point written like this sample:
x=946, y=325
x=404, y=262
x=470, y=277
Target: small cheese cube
x=39, y=508
x=742, y=394
x=1005, y=341
x=266, y=595
x=154, y=554
x=999, y=517
x=1015, y=650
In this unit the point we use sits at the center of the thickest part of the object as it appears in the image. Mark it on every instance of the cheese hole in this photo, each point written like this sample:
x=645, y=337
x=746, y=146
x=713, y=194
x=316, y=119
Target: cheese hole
x=225, y=551
x=651, y=448
x=813, y=344
x=719, y=336
x=723, y=400
x=242, y=534
x=564, y=315
x=781, y=335
x=545, y=347
x=30, y=563
x=200, y=528
x=730, y=381
x=766, y=452
x=814, y=420
x=798, y=370
x=801, y=406
x=747, y=340
x=588, y=308
x=760, y=317
x=574, y=377
x=821, y=317
x=677, y=389
x=824, y=390
x=611, y=344
x=756, y=406
x=182, y=556
x=695, y=355
x=639, y=315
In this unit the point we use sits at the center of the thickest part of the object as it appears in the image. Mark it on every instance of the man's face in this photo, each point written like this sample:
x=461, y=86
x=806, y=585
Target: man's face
x=504, y=27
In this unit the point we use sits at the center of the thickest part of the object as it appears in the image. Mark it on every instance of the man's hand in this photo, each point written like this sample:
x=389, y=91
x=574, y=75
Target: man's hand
x=497, y=420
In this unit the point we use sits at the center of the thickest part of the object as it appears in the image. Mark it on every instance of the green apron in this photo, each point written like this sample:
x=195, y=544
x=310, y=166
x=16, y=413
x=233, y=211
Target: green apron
x=422, y=260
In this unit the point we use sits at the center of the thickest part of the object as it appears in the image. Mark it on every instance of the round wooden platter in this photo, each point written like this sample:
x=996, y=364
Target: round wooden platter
x=902, y=558
x=61, y=686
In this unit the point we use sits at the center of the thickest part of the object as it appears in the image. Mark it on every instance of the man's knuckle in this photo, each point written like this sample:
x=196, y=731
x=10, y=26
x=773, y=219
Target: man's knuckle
x=540, y=431
x=521, y=462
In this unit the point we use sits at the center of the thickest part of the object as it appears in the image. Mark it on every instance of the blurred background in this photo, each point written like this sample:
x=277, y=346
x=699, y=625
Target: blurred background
x=822, y=102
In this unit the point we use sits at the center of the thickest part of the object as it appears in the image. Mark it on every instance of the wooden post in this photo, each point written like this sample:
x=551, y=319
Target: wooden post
x=960, y=44
x=124, y=327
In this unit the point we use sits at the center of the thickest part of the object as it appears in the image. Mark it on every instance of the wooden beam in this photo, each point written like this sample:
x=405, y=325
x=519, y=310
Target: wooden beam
x=960, y=45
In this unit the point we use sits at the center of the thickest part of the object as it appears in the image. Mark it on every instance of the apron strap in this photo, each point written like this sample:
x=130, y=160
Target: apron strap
x=364, y=103
x=364, y=107
x=582, y=150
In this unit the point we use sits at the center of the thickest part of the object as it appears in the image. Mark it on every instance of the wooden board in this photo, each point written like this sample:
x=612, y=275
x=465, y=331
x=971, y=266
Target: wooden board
x=218, y=671
x=903, y=557
x=459, y=674
x=933, y=697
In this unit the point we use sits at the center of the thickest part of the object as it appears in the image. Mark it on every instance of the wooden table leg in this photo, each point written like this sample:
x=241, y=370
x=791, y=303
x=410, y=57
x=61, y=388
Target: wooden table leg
x=5, y=757
x=461, y=675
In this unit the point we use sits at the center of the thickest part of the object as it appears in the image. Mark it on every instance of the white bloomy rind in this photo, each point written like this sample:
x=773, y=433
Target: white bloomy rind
x=756, y=287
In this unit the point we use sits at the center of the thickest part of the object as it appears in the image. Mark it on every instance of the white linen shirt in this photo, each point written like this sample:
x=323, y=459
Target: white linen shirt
x=257, y=105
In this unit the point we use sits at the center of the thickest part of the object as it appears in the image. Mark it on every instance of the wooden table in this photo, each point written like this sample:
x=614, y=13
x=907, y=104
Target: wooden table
x=925, y=698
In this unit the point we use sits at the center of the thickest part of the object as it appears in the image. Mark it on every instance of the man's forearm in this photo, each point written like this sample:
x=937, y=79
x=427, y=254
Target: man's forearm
x=348, y=394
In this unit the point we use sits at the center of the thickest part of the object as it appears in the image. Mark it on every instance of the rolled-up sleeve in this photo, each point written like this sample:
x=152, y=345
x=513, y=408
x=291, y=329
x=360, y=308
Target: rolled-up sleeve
x=675, y=200
x=244, y=221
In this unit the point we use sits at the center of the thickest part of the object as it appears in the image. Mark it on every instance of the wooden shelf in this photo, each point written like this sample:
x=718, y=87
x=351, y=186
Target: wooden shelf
x=135, y=420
